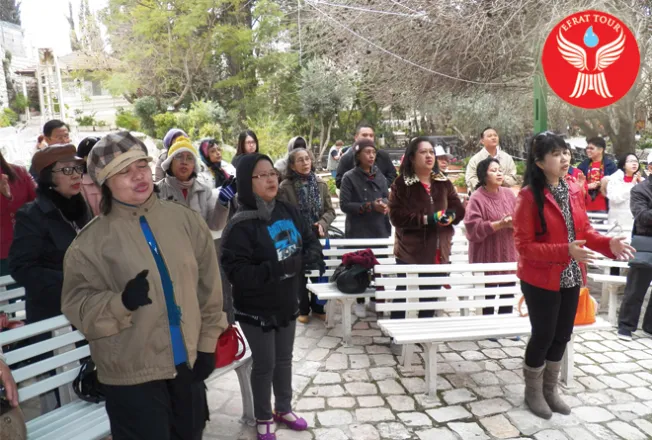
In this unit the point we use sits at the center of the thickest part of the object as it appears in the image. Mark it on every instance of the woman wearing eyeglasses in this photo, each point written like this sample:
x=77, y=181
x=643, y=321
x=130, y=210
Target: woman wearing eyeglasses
x=309, y=194
x=45, y=228
x=266, y=248
x=181, y=185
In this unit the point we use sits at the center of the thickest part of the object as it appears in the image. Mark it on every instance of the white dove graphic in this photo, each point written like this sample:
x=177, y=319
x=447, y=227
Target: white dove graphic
x=604, y=57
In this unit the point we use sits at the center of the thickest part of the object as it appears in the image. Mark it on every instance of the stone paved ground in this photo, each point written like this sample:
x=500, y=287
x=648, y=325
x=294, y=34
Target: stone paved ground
x=360, y=392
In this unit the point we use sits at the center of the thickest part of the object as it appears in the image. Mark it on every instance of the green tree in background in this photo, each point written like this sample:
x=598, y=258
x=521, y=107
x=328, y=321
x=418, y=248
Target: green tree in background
x=10, y=11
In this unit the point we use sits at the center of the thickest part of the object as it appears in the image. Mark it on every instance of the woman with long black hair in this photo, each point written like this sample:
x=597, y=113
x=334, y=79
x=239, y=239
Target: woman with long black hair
x=247, y=144
x=551, y=230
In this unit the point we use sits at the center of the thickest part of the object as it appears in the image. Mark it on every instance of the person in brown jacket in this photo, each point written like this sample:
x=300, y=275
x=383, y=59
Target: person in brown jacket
x=303, y=189
x=423, y=207
x=142, y=284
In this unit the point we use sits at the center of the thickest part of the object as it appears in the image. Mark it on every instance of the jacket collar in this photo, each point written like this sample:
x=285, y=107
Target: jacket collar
x=45, y=203
x=411, y=180
x=123, y=210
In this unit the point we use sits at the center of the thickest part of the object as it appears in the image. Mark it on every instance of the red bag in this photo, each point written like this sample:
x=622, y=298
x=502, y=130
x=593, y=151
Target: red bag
x=6, y=324
x=227, y=347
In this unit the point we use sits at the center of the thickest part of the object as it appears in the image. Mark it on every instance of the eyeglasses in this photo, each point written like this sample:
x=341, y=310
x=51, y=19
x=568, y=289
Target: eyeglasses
x=270, y=174
x=250, y=142
x=631, y=161
x=183, y=158
x=303, y=160
x=67, y=171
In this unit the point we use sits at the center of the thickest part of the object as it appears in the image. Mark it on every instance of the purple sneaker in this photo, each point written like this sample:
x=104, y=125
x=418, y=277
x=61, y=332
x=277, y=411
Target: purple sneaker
x=299, y=424
x=268, y=435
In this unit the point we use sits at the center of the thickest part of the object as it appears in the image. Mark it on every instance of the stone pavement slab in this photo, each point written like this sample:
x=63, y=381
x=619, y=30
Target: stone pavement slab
x=361, y=392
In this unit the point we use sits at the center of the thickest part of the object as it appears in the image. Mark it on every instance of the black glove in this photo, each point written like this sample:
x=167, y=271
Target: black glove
x=136, y=292
x=292, y=265
x=204, y=366
x=320, y=266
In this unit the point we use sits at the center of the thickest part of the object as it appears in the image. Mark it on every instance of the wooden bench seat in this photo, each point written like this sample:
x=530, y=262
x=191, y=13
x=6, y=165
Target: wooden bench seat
x=470, y=284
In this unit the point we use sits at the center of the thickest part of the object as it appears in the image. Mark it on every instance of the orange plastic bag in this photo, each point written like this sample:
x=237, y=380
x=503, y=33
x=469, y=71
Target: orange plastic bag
x=586, y=308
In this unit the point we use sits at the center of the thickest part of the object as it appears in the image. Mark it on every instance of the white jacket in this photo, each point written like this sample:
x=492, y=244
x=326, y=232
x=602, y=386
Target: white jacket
x=201, y=199
x=205, y=175
x=618, y=193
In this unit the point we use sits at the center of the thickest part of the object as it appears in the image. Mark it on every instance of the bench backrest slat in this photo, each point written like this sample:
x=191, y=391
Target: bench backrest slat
x=6, y=280
x=51, y=363
x=444, y=268
x=446, y=293
x=11, y=309
x=456, y=279
x=49, y=384
x=445, y=305
x=12, y=294
x=32, y=350
x=47, y=325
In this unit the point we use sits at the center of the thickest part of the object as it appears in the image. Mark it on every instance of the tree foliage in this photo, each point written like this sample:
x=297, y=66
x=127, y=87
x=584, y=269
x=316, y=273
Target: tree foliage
x=10, y=11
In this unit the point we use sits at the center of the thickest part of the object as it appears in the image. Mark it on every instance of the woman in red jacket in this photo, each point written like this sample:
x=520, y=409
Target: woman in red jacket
x=16, y=188
x=551, y=229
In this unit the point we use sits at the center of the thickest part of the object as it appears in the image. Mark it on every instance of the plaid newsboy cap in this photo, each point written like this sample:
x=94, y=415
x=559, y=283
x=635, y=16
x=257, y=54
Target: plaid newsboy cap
x=113, y=153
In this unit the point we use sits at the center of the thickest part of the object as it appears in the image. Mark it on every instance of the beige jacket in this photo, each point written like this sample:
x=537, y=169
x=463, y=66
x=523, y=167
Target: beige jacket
x=506, y=163
x=131, y=348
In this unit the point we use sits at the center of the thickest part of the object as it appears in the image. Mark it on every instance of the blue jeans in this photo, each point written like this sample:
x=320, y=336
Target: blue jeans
x=334, y=173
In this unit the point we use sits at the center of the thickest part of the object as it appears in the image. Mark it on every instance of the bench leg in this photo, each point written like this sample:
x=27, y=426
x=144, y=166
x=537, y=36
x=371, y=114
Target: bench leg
x=408, y=351
x=330, y=313
x=567, y=363
x=346, y=320
x=244, y=377
x=431, y=368
x=612, y=291
x=605, y=299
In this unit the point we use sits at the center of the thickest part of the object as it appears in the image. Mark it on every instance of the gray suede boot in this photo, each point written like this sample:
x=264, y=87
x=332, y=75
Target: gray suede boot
x=550, y=391
x=534, y=392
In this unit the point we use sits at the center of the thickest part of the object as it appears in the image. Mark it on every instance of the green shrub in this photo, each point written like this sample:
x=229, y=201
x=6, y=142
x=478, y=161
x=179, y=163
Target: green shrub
x=4, y=121
x=145, y=108
x=164, y=122
x=127, y=120
x=332, y=187
x=520, y=167
x=460, y=181
x=85, y=120
x=19, y=103
x=273, y=134
x=11, y=116
x=212, y=130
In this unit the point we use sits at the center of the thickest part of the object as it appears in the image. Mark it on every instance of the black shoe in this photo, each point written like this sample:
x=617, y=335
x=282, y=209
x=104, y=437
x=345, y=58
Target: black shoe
x=624, y=334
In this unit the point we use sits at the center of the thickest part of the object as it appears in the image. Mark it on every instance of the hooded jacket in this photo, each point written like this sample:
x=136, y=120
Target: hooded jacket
x=201, y=199
x=281, y=165
x=256, y=241
x=383, y=162
x=131, y=348
x=359, y=190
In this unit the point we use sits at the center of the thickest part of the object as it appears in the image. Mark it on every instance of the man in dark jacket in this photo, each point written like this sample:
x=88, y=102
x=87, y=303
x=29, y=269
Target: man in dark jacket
x=638, y=278
x=383, y=161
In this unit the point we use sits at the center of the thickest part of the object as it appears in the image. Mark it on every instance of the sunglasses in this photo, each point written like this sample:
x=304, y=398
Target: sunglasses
x=67, y=171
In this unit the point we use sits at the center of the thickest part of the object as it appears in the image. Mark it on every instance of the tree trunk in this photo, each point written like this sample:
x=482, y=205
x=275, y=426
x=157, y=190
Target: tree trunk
x=322, y=134
x=312, y=132
x=324, y=147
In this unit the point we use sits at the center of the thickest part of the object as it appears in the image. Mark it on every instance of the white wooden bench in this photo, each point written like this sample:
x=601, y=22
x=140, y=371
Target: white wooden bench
x=430, y=332
x=77, y=419
x=610, y=284
x=16, y=309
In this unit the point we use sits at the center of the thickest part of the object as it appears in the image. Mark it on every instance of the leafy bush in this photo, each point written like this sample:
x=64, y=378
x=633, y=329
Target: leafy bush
x=164, y=122
x=145, y=108
x=460, y=181
x=4, y=121
x=10, y=115
x=273, y=134
x=212, y=130
x=127, y=120
x=332, y=188
x=520, y=167
x=85, y=120
x=19, y=103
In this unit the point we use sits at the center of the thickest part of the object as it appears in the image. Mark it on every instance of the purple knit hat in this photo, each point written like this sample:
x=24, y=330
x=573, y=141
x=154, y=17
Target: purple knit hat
x=171, y=135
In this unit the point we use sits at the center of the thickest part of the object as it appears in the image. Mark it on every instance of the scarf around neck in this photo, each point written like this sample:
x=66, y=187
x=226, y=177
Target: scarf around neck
x=307, y=191
x=176, y=183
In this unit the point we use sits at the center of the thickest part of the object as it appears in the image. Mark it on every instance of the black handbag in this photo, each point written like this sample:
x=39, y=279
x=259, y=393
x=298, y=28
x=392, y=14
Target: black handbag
x=351, y=279
x=643, y=246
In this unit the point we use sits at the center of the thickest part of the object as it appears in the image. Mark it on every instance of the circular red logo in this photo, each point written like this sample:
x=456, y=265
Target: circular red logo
x=591, y=59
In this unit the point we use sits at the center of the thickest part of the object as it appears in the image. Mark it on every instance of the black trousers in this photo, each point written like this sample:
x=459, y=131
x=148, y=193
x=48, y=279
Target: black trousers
x=638, y=281
x=173, y=409
x=422, y=313
x=308, y=300
x=502, y=310
x=552, y=316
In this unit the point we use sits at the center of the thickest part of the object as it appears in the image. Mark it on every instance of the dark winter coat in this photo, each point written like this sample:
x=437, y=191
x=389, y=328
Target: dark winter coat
x=383, y=162
x=42, y=236
x=641, y=205
x=254, y=244
x=359, y=190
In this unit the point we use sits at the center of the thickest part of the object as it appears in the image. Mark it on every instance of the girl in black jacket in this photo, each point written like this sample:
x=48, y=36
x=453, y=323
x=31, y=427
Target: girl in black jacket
x=266, y=248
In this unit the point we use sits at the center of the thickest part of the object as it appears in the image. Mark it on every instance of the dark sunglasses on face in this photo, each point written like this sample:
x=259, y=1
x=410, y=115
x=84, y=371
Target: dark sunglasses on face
x=67, y=171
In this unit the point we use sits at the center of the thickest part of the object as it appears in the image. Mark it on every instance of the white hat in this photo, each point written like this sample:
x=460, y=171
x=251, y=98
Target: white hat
x=440, y=152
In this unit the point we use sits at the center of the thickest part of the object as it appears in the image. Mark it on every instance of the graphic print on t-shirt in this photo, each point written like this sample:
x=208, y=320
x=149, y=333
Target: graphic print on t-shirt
x=595, y=172
x=286, y=238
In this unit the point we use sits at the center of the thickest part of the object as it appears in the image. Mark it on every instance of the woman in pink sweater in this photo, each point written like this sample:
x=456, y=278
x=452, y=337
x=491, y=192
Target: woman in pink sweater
x=488, y=222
